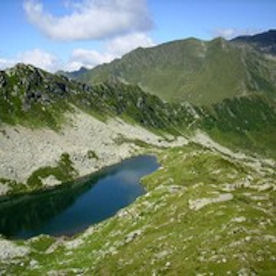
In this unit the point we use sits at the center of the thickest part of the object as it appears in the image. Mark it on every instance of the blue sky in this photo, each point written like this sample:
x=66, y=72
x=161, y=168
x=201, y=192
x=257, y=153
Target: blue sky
x=67, y=34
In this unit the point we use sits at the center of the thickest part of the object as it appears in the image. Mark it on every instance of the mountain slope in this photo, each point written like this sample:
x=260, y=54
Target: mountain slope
x=52, y=112
x=264, y=42
x=35, y=97
x=204, y=211
x=197, y=71
x=54, y=130
x=207, y=210
x=73, y=74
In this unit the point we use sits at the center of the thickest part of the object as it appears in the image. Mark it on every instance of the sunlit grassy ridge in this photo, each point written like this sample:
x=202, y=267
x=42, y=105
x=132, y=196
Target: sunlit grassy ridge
x=193, y=70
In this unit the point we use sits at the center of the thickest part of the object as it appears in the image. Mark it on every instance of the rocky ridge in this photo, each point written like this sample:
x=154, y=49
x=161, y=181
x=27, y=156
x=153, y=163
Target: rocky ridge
x=45, y=117
x=264, y=42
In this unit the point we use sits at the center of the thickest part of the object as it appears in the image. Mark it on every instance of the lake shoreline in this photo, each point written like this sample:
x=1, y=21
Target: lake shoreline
x=78, y=180
x=106, y=192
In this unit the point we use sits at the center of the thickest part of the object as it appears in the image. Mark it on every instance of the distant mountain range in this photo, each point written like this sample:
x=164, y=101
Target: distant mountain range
x=73, y=74
x=201, y=72
x=264, y=42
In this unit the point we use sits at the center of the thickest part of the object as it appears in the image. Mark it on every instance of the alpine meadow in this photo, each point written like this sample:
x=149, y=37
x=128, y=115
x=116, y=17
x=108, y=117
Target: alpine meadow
x=138, y=137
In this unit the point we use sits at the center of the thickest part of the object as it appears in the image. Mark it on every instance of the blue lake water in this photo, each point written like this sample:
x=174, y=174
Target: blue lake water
x=73, y=207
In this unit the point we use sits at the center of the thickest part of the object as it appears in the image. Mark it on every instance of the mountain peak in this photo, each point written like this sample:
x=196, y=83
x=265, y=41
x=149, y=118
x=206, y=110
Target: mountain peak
x=23, y=66
x=22, y=69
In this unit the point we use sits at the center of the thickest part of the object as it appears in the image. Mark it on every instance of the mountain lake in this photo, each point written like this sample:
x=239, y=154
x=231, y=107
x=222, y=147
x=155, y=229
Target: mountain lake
x=73, y=207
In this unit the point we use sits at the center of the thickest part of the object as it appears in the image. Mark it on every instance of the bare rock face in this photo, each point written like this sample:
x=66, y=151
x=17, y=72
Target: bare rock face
x=4, y=189
x=50, y=181
x=27, y=150
x=8, y=250
x=197, y=204
x=131, y=236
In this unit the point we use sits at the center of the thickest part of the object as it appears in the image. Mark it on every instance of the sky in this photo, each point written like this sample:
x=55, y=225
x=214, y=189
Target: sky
x=67, y=34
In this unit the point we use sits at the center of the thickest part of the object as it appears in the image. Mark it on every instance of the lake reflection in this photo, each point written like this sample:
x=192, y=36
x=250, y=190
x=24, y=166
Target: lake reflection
x=73, y=207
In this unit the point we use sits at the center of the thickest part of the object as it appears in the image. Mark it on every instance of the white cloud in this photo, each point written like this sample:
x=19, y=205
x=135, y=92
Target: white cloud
x=91, y=19
x=36, y=57
x=39, y=58
x=113, y=48
x=230, y=33
x=121, y=24
x=86, y=58
x=6, y=63
x=123, y=44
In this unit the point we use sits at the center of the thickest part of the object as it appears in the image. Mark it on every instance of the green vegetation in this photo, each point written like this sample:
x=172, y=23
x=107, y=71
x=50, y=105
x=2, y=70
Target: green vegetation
x=13, y=186
x=178, y=227
x=191, y=70
x=92, y=155
x=43, y=99
x=263, y=42
x=63, y=172
x=121, y=140
x=245, y=123
x=31, y=97
x=205, y=212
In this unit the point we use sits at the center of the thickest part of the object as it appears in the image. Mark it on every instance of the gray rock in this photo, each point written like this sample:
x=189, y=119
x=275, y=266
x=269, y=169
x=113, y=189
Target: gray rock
x=132, y=235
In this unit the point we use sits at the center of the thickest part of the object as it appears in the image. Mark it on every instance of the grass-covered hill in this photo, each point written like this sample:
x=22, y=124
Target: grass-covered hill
x=201, y=72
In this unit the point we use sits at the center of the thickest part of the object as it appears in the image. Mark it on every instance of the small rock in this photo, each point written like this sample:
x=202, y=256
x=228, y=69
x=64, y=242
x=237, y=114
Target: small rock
x=132, y=235
x=248, y=239
x=168, y=264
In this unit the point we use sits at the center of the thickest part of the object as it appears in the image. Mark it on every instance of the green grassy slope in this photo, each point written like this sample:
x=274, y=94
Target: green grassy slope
x=197, y=71
x=204, y=213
